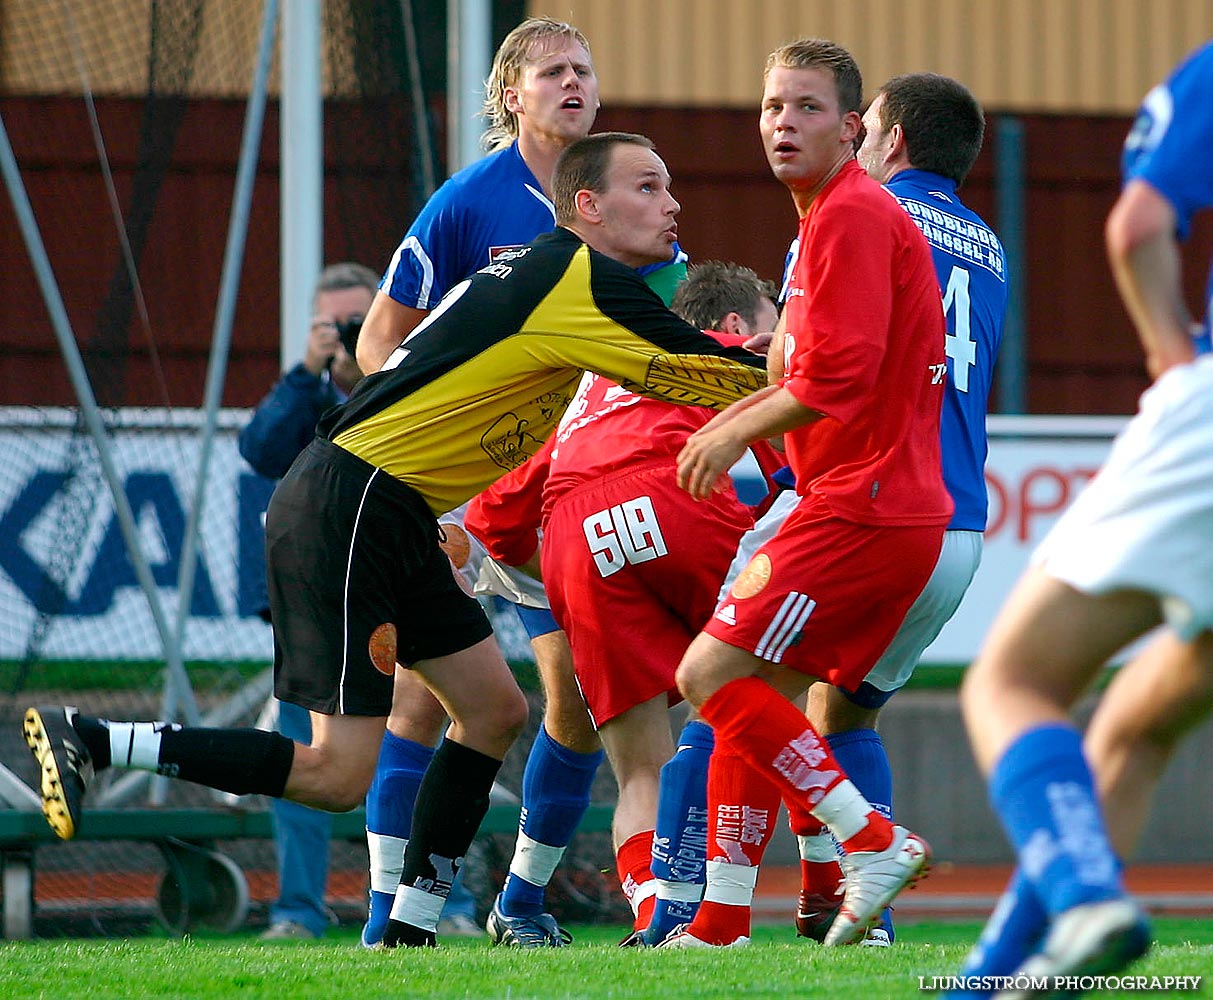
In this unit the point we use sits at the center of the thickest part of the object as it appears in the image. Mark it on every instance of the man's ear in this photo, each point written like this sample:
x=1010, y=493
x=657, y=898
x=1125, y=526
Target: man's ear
x=511, y=100
x=586, y=203
x=732, y=323
x=852, y=127
x=897, y=143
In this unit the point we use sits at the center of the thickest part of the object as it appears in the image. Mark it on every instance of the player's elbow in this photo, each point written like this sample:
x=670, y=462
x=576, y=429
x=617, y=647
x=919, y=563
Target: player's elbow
x=1141, y=216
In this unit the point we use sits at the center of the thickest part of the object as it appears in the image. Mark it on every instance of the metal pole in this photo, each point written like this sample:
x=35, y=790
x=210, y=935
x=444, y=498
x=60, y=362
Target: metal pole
x=1009, y=184
x=88, y=405
x=221, y=338
x=302, y=168
x=469, y=57
x=421, y=125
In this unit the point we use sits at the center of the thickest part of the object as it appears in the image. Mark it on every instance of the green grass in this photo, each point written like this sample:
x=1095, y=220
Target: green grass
x=777, y=967
x=120, y=675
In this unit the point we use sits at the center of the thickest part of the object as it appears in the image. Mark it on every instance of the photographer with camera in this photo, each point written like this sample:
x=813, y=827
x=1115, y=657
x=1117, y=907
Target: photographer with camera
x=285, y=421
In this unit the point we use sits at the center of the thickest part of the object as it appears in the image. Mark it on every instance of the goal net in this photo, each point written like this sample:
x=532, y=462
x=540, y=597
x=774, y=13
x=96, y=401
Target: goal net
x=125, y=121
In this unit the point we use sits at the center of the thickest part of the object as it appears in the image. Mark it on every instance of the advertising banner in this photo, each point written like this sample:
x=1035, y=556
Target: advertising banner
x=68, y=589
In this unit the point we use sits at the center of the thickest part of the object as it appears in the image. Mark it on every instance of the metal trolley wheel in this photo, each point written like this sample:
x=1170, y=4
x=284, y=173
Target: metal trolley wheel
x=201, y=889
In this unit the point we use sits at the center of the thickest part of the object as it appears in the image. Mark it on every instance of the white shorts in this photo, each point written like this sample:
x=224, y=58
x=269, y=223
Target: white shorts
x=1145, y=522
x=499, y=580
x=930, y=612
x=484, y=575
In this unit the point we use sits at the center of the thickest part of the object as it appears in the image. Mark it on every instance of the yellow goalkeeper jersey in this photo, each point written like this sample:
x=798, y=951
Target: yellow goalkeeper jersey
x=481, y=382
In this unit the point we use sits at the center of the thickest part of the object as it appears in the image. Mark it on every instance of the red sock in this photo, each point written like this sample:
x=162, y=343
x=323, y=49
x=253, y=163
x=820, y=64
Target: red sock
x=632, y=862
x=820, y=873
x=820, y=877
x=743, y=805
x=769, y=731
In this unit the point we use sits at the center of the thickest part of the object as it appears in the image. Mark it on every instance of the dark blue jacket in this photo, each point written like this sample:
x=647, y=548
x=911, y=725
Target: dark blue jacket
x=285, y=421
x=282, y=425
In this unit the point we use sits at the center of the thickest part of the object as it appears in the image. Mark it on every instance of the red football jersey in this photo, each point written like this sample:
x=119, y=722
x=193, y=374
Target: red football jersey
x=865, y=347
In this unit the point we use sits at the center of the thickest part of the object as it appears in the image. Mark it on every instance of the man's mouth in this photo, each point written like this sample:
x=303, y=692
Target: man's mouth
x=573, y=103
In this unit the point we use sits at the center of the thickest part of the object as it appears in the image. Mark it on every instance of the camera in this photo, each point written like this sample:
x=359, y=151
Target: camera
x=348, y=332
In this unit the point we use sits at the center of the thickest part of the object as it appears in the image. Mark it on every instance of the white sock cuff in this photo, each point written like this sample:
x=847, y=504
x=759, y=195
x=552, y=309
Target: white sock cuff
x=641, y=891
x=818, y=849
x=730, y=884
x=843, y=810
x=387, y=860
x=135, y=744
x=534, y=862
x=679, y=892
x=421, y=909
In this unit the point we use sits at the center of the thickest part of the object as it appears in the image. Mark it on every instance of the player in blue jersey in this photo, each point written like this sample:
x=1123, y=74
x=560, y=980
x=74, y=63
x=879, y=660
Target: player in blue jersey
x=1133, y=552
x=922, y=135
x=541, y=95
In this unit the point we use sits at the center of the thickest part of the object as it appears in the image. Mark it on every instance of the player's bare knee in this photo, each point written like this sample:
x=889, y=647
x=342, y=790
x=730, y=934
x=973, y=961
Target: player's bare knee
x=344, y=798
x=329, y=787
x=421, y=722
x=510, y=715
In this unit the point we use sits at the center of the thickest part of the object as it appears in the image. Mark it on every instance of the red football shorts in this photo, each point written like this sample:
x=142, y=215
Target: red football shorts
x=632, y=566
x=826, y=596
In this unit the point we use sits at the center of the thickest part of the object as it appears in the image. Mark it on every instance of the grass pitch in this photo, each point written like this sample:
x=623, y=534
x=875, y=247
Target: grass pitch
x=777, y=966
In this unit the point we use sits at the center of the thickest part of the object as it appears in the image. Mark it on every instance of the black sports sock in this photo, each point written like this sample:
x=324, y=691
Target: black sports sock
x=241, y=761
x=451, y=803
x=96, y=737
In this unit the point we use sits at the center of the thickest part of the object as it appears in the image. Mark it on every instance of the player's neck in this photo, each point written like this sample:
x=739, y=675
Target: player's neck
x=540, y=153
x=804, y=197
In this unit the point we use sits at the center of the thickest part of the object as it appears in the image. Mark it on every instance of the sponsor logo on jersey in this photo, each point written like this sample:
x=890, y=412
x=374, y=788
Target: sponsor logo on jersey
x=727, y=614
x=512, y=252
x=509, y=441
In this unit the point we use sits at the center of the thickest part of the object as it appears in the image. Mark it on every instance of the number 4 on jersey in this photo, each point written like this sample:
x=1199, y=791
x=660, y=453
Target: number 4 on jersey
x=959, y=344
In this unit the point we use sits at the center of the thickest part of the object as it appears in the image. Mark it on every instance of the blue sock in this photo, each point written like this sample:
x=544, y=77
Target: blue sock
x=862, y=755
x=1014, y=931
x=1043, y=792
x=555, y=795
x=680, y=841
x=389, y=811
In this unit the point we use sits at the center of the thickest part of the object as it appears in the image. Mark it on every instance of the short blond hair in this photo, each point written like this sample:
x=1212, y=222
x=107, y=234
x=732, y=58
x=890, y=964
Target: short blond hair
x=820, y=53
x=514, y=53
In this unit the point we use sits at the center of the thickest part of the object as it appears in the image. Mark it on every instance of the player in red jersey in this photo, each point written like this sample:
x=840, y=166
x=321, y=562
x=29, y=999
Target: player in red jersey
x=859, y=408
x=632, y=565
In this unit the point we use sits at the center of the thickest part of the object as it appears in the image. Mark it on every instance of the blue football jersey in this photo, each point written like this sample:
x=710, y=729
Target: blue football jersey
x=971, y=267
x=1173, y=129
x=491, y=206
